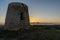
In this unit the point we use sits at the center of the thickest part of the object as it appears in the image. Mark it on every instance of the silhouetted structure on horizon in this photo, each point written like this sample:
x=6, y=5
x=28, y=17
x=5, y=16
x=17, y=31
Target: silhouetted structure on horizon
x=17, y=16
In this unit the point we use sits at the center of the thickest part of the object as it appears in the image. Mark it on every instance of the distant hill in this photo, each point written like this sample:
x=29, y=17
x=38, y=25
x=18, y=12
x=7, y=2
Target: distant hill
x=38, y=23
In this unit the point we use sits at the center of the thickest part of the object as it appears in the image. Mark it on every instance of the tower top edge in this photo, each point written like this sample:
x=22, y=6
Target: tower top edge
x=17, y=3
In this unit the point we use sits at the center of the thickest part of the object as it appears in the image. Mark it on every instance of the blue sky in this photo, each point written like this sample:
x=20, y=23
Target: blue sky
x=39, y=10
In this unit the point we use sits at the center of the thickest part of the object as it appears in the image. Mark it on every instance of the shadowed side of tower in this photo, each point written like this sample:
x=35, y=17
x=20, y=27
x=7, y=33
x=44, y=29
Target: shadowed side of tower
x=17, y=16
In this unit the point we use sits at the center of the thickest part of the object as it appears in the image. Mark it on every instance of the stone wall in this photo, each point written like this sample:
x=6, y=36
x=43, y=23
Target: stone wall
x=17, y=15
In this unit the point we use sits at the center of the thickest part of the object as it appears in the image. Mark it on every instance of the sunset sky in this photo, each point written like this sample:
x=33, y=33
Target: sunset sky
x=44, y=11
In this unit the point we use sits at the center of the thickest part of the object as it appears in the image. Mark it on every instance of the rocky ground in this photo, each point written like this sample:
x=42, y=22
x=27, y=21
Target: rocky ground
x=46, y=32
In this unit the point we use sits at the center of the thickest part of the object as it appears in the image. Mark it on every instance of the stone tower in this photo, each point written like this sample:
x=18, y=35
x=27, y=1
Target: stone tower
x=17, y=15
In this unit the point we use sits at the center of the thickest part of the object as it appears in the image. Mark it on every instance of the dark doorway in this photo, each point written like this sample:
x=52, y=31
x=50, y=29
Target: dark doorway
x=21, y=16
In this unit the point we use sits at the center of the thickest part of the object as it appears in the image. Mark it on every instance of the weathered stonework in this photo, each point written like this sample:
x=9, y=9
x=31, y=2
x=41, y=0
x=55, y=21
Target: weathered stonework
x=17, y=16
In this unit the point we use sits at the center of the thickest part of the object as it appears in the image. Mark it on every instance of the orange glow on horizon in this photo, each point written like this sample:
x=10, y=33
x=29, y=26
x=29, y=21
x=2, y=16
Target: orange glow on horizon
x=43, y=20
x=2, y=20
